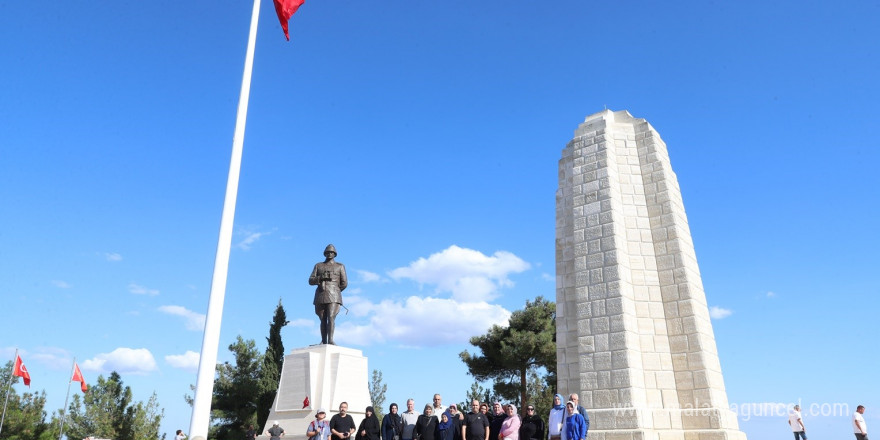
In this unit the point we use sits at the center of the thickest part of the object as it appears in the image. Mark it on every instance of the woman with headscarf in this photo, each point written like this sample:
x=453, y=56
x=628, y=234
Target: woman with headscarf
x=575, y=424
x=484, y=408
x=556, y=418
x=426, y=425
x=446, y=427
x=510, y=425
x=532, y=427
x=392, y=424
x=369, y=428
x=457, y=418
x=498, y=416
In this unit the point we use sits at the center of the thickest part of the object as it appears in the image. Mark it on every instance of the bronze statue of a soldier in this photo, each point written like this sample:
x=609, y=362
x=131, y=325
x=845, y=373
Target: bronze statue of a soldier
x=331, y=280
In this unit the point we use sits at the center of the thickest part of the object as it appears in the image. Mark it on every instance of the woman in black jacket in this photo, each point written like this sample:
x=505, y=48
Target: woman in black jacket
x=392, y=424
x=369, y=428
x=426, y=426
x=532, y=427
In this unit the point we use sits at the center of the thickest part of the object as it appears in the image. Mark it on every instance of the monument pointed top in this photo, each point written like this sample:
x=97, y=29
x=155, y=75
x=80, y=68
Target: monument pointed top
x=599, y=120
x=620, y=115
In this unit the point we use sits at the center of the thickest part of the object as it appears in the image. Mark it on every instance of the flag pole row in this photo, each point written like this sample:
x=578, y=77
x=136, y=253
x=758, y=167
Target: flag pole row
x=20, y=370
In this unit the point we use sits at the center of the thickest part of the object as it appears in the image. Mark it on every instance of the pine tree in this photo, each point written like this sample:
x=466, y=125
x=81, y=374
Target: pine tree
x=509, y=354
x=377, y=393
x=236, y=392
x=273, y=361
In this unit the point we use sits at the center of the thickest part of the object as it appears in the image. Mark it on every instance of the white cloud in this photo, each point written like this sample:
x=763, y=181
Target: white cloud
x=417, y=322
x=188, y=361
x=53, y=357
x=719, y=313
x=771, y=294
x=112, y=256
x=137, y=289
x=469, y=275
x=547, y=277
x=61, y=284
x=354, y=290
x=369, y=277
x=251, y=237
x=302, y=322
x=194, y=321
x=138, y=361
x=358, y=306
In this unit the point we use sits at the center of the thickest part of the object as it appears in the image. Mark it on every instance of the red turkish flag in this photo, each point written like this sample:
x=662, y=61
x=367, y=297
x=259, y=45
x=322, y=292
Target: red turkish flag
x=285, y=9
x=78, y=377
x=21, y=371
x=306, y=402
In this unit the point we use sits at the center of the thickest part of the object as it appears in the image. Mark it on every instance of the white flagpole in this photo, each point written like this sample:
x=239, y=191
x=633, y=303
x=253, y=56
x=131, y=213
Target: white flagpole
x=201, y=413
x=64, y=408
x=8, y=387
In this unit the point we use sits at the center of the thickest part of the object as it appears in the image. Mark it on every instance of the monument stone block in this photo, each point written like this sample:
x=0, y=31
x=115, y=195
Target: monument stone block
x=643, y=331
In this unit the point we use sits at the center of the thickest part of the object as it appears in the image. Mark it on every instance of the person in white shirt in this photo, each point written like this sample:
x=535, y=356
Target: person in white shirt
x=438, y=407
x=859, y=426
x=797, y=423
x=554, y=420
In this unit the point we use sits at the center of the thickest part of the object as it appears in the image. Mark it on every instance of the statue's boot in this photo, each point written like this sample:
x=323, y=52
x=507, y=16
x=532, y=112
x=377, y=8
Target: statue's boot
x=330, y=327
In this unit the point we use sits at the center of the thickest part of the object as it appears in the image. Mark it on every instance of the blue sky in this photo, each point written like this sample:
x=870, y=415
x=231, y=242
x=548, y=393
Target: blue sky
x=422, y=139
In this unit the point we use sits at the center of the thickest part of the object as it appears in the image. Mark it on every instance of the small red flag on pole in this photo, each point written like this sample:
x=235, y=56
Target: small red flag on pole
x=78, y=377
x=285, y=9
x=21, y=371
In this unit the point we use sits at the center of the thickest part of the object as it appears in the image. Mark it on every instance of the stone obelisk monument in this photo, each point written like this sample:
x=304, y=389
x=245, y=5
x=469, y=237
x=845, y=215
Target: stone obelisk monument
x=634, y=338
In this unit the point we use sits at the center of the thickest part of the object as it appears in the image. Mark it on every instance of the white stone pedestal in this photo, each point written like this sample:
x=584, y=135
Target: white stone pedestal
x=328, y=375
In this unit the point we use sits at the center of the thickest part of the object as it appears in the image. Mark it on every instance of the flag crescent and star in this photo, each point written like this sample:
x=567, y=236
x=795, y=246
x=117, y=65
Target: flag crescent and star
x=21, y=371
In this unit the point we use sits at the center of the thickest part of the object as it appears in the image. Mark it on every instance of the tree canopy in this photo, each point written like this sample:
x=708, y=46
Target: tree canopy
x=236, y=392
x=25, y=413
x=245, y=390
x=108, y=411
x=507, y=355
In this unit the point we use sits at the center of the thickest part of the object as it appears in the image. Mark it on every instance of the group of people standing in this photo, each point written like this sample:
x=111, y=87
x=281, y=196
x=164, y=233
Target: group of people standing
x=567, y=421
x=860, y=428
